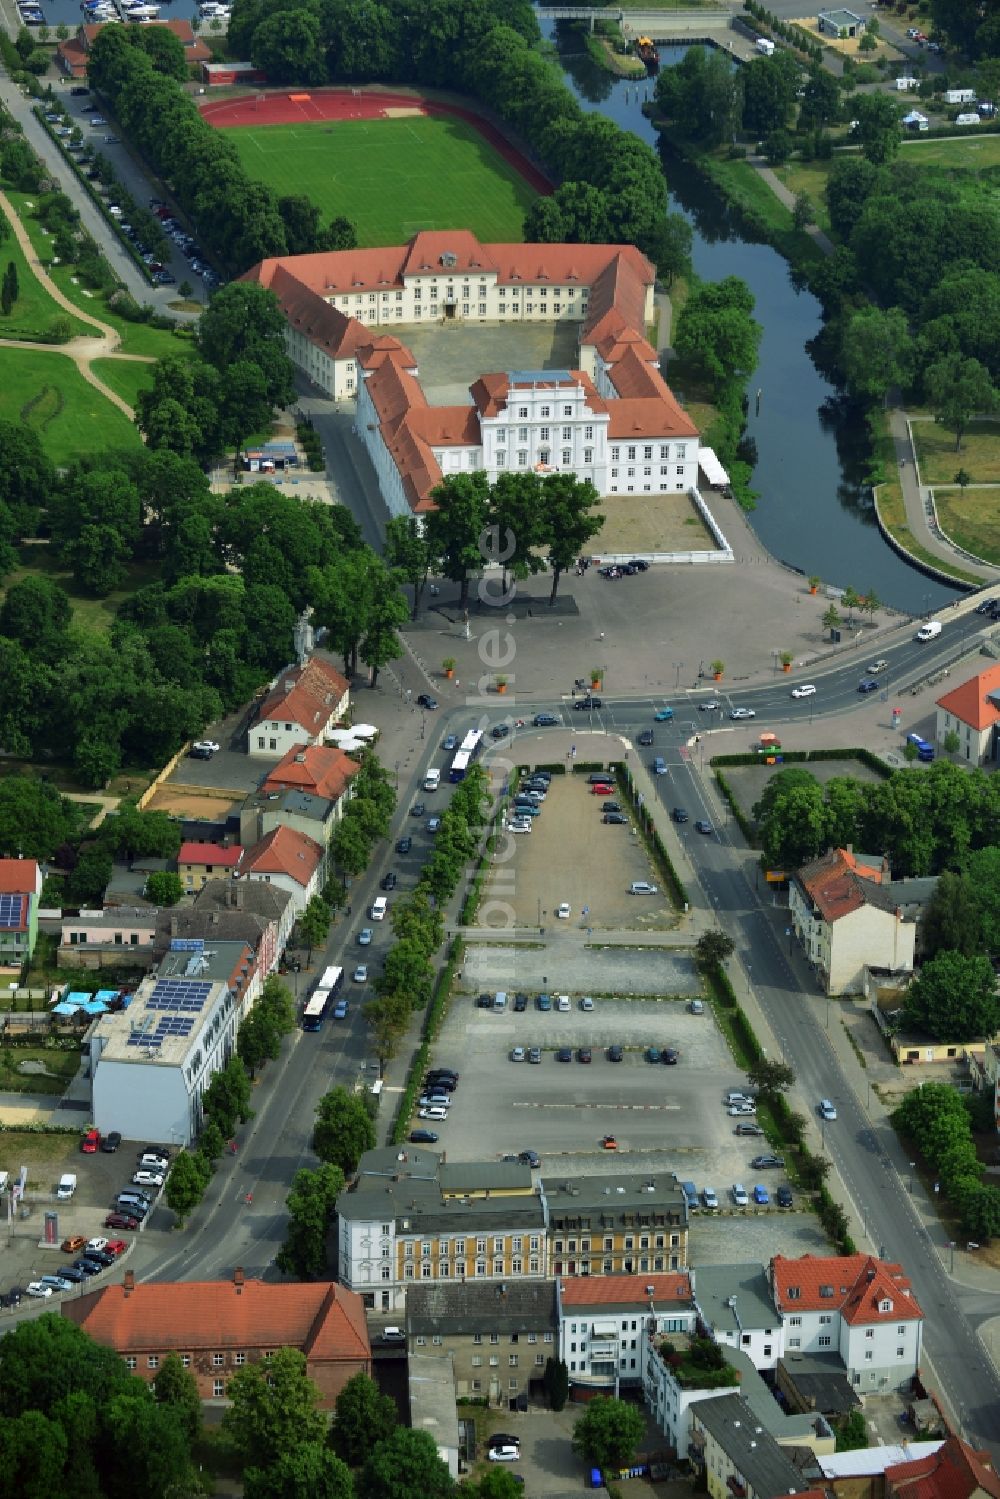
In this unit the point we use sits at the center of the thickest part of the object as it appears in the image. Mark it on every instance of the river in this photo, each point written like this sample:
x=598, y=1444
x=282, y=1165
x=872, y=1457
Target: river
x=814, y=511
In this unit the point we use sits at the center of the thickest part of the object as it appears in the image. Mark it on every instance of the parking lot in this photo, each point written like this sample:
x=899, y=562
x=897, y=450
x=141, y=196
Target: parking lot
x=572, y=855
x=572, y=964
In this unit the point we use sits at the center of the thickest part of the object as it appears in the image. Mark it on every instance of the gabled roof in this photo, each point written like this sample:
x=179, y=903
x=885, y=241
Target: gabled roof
x=195, y=50
x=626, y=1290
x=19, y=877
x=325, y=1321
x=854, y=1284
x=954, y=1471
x=215, y=854
x=285, y=851
x=840, y=882
x=970, y=703
x=305, y=695
x=320, y=769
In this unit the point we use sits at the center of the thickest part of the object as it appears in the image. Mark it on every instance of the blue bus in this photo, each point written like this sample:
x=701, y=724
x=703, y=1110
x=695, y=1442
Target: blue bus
x=322, y=998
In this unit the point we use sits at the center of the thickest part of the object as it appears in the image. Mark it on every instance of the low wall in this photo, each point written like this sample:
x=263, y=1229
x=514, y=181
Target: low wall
x=724, y=554
x=157, y=782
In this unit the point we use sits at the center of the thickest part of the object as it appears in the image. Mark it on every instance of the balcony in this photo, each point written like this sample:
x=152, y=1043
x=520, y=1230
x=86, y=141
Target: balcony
x=697, y=1363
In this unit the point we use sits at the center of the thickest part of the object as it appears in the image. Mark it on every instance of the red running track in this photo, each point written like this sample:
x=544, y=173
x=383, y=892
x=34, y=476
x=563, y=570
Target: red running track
x=350, y=104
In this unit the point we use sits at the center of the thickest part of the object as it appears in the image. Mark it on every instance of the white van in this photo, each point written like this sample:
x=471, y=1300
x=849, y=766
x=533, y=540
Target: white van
x=66, y=1187
x=765, y=46
x=500, y=1000
x=379, y=907
x=931, y=629
x=432, y=780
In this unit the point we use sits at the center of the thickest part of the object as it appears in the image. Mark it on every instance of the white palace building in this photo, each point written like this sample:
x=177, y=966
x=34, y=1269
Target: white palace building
x=613, y=419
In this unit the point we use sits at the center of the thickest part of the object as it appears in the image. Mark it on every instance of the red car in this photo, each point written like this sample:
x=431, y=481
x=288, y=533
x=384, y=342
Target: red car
x=115, y=1246
x=91, y=1142
x=120, y=1220
x=601, y=789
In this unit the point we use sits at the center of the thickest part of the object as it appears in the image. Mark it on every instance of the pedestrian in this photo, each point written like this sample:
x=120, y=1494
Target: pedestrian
x=348, y=910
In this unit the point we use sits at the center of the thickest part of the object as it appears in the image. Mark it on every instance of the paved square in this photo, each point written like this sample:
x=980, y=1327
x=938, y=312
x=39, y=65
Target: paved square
x=452, y=356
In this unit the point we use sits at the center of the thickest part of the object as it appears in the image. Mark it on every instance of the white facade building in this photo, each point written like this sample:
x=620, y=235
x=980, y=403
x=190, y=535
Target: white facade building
x=736, y=1308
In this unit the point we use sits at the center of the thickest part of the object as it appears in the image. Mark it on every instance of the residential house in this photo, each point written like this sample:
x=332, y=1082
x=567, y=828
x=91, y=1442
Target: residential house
x=115, y=937
x=972, y=711
x=217, y=1327
x=850, y=916
x=303, y=811
x=627, y=1223
x=197, y=863
x=733, y=1452
x=601, y=1323
x=408, y=1216
x=858, y=1306
x=220, y=906
x=289, y=860
x=72, y=54
x=316, y=770
x=498, y=1334
x=20, y=891
x=954, y=1471
x=985, y=1070
x=736, y=1308
x=303, y=704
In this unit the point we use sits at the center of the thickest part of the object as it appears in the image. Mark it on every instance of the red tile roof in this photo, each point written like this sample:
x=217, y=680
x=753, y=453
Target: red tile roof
x=19, y=876
x=195, y=50
x=836, y=882
x=319, y=769
x=285, y=851
x=214, y=854
x=306, y=695
x=954, y=1471
x=625, y=1290
x=854, y=1284
x=323, y=1320
x=970, y=704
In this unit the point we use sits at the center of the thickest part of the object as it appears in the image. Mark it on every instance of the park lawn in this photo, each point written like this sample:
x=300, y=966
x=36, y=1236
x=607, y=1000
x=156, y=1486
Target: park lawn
x=940, y=460
x=808, y=177
x=971, y=517
x=965, y=152
x=47, y=391
x=38, y=560
x=126, y=377
x=391, y=177
x=136, y=338
x=34, y=312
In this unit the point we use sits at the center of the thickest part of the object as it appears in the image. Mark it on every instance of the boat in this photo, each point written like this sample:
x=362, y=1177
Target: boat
x=141, y=12
x=646, y=50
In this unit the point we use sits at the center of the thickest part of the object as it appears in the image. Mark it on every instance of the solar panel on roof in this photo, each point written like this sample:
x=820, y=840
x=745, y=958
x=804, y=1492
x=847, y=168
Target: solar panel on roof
x=179, y=995
x=11, y=908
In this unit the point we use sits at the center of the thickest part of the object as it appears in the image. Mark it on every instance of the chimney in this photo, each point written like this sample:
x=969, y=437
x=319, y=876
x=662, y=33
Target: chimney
x=239, y=1279
x=128, y=1284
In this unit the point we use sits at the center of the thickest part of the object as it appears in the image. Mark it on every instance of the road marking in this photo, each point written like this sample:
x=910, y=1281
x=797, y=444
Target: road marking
x=622, y=1108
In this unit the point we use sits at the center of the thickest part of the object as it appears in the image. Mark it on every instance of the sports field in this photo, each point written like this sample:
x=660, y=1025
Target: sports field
x=391, y=177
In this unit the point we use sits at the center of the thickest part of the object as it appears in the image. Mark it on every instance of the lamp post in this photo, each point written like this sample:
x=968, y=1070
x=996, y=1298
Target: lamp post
x=913, y=1167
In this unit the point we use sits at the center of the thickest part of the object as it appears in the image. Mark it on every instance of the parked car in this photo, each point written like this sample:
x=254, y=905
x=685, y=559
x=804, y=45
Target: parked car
x=642, y=887
x=418, y=809
x=437, y=1112
x=738, y=1110
x=530, y=1158
x=535, y=1055
x=616, y=1053
x=38, y=1288
x=518, y=1054
x=670, y=1056
x=520, y=1003
x=767, y=1162
x=783, y=1197
x=546, y=720
x=423, y=1137
x=121, y=1220
x=585, y=704
x=388, y=881
x=563, y=910
x=738, y=1193
x=424, y=700
x=564, y=1054
x=709, y=1198
x=543, y=1002
x=584, y=1054
x=653, y=1054
x=761, y=1196
x=95, y=1246
x=748, y=1129
x=91, y=1142
x=73, y=1244
x=111, y=1141
x=586, y=1003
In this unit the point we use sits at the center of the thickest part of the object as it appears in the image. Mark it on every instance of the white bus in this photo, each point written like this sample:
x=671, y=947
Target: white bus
x=332, y=979
x=459, y=766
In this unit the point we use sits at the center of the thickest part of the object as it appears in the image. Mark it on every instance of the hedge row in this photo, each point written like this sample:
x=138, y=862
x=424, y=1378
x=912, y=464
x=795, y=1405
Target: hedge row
x=421, y=1057
x=798, y=757
x=743, y=822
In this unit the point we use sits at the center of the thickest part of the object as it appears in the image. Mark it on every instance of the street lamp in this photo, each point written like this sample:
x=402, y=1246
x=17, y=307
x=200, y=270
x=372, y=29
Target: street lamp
x=913, y=1167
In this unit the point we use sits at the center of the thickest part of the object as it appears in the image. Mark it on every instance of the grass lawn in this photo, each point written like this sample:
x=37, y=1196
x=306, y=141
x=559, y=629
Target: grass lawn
x=60, y=1067
x=125, y=377
x=48, y=392
x=971, y=517
x=34, y=312
x=37, y=1150
x=391, y=177
x=967, y=153
x=808, y=177
x=979, y=454
x=91, y=613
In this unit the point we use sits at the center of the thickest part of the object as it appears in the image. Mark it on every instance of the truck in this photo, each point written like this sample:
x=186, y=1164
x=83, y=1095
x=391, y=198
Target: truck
x=930, y=630
x=66, y=1187
x=765, y=46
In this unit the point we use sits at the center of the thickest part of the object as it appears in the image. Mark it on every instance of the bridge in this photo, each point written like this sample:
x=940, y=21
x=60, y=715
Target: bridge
x=670, y=25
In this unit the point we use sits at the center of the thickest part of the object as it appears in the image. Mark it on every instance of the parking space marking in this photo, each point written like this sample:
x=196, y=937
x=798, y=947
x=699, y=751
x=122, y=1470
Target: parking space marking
x=637, y=1108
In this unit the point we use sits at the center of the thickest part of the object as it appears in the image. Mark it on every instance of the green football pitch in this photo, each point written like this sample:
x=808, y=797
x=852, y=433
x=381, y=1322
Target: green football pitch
x=391, y=178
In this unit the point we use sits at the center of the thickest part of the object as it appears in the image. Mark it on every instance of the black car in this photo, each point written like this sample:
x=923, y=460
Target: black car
x=500, y=731
x=68, y=1273
x=13, y=1296
x=783, y=1197
x=639, y=565
x=679, y=814
x=418, y=809
x=520, y=1003
x=485, y=1001
x=100, y=1258
x=615, y=817
x=87, y=1267
x=616, y=1053
x=545, y=720
x=670, y=1056
x=564, y=1054
x=426, y=701
x=423, y=1137
x=704, y=826
x=586, y=703
x=111, y=1141
x=442, y=1081
x=403, y=845
x=611, y=807
x=530, y=1158
x=388, y=881
x=984, y=606
x=647, y=737
x=442, y=1072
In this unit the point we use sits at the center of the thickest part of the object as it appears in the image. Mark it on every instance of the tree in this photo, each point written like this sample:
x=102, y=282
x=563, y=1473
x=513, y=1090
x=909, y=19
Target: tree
x=175, y=1386
x=770, y=1078
x=165, y=50
x=556, y=1382
x=34, y=819
x=877, y=351
x=406, y=1466
x=145, y=1448
x=769, y=88
x=821, y=101
x=350, y=846
x=227, y=1097
x=164, y=887
x=363, y=1418
x=314, y=924
x=954, y=998
x=568, y=521
x=387, y=610
x=498, y=1484
x=957, y=390
x=407, y=552
x=852, y=1432
x=712, y=949
x=308, y=1471
x=272, y=1409
x=243, y=321
x=831, y=619
x=186, y=1183
x=311, y=1203
x=287, y=46
x=716, y=334
x=9, y=291
x=455, y=530
x=804, y=212
x=702, y=95
x=952, y=920
x=792, y=819
x=878, y=128
x=608, y=1432
x=344, y=1130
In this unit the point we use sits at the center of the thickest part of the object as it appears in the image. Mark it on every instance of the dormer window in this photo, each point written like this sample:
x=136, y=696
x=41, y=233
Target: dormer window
x=826, y=1290
x=885, y=1305
x=794, y=1292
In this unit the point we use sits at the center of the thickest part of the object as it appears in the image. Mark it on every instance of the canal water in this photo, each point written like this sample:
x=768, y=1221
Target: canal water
x=814, y=511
